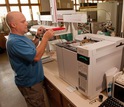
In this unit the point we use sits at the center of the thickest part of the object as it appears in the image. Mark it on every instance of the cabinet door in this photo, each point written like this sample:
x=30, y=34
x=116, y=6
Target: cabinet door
x=53, y=95
x=2, y=41
x=66, y=102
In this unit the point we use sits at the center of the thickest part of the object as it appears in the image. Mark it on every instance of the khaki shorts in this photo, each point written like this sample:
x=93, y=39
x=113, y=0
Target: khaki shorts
x=33, y=95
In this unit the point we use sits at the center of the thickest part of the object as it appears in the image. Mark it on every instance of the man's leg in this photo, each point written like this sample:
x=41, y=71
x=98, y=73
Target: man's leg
x=33, y=95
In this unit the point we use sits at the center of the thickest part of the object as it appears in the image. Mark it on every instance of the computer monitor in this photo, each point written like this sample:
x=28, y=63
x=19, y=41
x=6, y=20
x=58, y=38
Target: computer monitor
x=118, y=92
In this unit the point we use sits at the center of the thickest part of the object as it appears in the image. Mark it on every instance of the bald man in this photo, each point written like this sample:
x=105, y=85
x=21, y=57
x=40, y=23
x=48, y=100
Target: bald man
x=25, y=58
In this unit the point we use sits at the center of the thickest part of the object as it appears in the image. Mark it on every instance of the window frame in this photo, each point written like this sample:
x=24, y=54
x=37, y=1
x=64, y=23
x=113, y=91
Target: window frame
x=8, y=5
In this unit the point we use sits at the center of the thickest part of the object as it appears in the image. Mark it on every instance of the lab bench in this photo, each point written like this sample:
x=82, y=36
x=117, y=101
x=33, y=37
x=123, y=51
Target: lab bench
x=58, y=91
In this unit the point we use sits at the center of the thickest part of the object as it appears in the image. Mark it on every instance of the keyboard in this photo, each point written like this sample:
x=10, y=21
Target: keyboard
x=111, y=102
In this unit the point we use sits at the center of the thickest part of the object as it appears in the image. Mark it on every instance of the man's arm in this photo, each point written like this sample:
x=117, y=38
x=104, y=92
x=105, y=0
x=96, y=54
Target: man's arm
x=40, y=49
x=36, y=40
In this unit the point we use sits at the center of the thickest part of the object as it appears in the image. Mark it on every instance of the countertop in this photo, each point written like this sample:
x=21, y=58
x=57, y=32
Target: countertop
x=78, y=99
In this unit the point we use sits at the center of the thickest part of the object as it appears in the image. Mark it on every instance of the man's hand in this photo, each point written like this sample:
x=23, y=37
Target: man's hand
x=48, y=34
x=40, y=30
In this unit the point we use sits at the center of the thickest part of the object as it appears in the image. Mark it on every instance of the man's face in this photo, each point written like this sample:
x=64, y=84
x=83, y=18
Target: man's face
x=21, y=24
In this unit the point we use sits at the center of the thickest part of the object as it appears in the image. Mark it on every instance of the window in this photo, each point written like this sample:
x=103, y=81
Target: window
x=35, y=11
x=29, y=8
x=24, y=1
x=13, y=1
x=2, y=1
x=3, y=12
x=26, y=12
x=76, y=4
x=34, y=1
x=14, y=8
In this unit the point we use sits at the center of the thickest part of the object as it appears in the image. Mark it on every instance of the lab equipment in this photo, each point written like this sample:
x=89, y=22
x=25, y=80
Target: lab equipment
x=90, y=57
x=95, y=59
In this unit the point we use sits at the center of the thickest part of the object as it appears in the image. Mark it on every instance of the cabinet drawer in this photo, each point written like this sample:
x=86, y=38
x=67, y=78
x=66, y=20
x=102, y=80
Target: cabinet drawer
x=66, y=102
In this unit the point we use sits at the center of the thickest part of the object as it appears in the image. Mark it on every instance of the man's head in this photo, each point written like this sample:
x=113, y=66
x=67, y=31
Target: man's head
x=17, y=23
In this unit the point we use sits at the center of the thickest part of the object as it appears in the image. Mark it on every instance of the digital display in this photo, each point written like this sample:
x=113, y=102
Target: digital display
x=83, y=59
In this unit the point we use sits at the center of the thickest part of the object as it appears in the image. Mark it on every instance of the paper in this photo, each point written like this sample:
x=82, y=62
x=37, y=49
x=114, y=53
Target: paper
x=71, y=89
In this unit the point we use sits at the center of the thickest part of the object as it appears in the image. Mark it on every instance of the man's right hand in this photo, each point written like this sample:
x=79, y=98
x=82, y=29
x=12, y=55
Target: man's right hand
x=48, y=34
x=40, y=31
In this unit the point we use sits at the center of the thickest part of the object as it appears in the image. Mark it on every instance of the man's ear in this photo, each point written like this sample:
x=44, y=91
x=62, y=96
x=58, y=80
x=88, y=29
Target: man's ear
x=13, y=25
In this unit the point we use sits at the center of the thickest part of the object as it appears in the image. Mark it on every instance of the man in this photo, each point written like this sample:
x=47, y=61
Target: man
x=25, y=58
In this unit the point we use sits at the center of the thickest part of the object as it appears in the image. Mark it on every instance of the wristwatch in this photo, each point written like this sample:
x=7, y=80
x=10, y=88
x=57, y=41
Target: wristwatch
x=36, y=37
x=40, y=38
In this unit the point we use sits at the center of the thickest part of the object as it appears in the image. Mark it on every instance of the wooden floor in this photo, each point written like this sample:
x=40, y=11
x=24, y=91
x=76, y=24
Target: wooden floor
x=9, y=93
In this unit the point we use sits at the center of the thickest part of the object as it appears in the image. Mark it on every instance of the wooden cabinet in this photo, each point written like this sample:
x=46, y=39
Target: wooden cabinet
x=53, y=94
x=56, y=99
x=2, y=41
x=66, y=102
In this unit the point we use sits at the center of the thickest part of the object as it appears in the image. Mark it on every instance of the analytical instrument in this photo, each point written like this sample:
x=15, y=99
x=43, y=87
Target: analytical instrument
x=83, y=64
